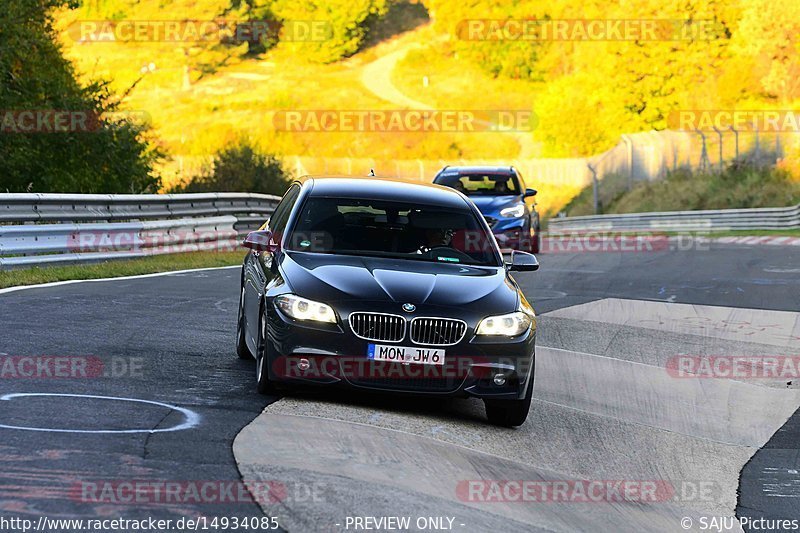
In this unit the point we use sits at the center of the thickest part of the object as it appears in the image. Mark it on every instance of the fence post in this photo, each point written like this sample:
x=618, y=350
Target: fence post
x=721, y=160
x=659, y=151
x=629, y=145
x=704, y=161
x=595, y=192
x=758, y=148
x=736, y=135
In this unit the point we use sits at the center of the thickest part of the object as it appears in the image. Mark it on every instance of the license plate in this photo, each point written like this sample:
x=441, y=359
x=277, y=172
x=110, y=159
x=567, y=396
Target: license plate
x=405, y=354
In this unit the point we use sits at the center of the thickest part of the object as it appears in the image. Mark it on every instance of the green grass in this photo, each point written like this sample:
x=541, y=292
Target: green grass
x=684, y=191
x=115, y=269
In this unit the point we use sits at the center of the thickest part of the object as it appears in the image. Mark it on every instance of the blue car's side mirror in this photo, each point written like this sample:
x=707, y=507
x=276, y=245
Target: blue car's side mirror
x=530, y=192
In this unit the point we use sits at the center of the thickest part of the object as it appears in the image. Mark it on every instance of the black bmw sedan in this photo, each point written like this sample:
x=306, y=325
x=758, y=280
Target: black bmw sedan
x=387, y=286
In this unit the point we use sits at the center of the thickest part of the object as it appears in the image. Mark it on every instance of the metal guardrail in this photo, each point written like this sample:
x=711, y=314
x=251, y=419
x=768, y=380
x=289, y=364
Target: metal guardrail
x=42, y=229
x=767, y=218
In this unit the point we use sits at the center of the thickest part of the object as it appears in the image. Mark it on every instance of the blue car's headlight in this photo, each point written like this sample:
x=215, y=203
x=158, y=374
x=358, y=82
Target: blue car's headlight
x=513, y=212
x=303, y=309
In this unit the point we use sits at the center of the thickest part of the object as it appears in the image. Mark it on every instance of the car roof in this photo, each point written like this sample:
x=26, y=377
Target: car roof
x=488, y=169
x=374, y=188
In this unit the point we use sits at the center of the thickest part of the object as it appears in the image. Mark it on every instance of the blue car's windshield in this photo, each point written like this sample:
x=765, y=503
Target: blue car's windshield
x=392, y=229
x=481, y=184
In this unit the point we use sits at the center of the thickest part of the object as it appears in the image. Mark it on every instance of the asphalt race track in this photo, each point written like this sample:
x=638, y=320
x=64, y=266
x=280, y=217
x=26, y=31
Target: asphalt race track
x=605, y=407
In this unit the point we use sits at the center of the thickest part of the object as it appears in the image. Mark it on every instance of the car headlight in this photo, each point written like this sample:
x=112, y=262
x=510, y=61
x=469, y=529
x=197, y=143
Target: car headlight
x=513, y=212
x=509, y=325
x=302, y=309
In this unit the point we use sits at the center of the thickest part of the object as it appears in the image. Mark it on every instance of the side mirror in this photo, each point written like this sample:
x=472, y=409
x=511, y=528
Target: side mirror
x=522, y=262
x=260, y=241
x=530, y=192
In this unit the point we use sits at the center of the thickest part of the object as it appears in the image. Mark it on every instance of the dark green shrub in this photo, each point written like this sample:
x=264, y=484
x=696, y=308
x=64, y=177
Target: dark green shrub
x=241, y=167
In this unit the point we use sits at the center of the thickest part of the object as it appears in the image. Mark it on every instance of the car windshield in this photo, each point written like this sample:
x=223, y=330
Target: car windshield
x=392, y=229
x=481, y=184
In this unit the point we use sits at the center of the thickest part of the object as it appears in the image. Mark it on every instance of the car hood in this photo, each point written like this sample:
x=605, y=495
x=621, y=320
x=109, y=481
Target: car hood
x=493, y=204
x=332, y=278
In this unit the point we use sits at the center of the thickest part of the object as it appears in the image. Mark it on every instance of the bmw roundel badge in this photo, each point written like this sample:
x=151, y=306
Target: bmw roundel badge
x=409, y=308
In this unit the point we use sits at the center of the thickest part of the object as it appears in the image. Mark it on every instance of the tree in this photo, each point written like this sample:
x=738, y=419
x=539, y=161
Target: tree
x=477, y=33
x=112, y=156
x=769, y=33
x=346, y=23
x=240, y=167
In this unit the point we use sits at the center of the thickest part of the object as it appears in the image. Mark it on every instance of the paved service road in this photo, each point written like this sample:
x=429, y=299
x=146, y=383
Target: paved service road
x=169, y=339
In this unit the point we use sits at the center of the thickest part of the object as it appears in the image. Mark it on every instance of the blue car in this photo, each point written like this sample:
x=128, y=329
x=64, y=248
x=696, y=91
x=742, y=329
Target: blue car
x=499, y=193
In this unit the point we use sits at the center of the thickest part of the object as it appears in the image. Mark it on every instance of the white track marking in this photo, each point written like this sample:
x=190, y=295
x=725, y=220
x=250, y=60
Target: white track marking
x=121, y=278
x=192, y=418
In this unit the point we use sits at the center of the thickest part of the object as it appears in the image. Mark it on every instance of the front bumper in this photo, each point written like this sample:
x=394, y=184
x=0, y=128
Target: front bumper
x=332, y=355
x=513, y=234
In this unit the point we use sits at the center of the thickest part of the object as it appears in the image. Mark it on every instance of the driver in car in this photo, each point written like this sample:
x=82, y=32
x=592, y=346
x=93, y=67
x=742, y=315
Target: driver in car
x=435, y=238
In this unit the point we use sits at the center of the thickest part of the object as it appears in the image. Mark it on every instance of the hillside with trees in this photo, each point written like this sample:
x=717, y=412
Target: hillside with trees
x=110, y=155
x=723, y=54
x=202, y=96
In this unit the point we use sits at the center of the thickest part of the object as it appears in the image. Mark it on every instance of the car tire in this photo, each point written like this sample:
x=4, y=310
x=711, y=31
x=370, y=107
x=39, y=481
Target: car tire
x=241, y=344
x=536, y=242
x=263, y=383
x=510, y=413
